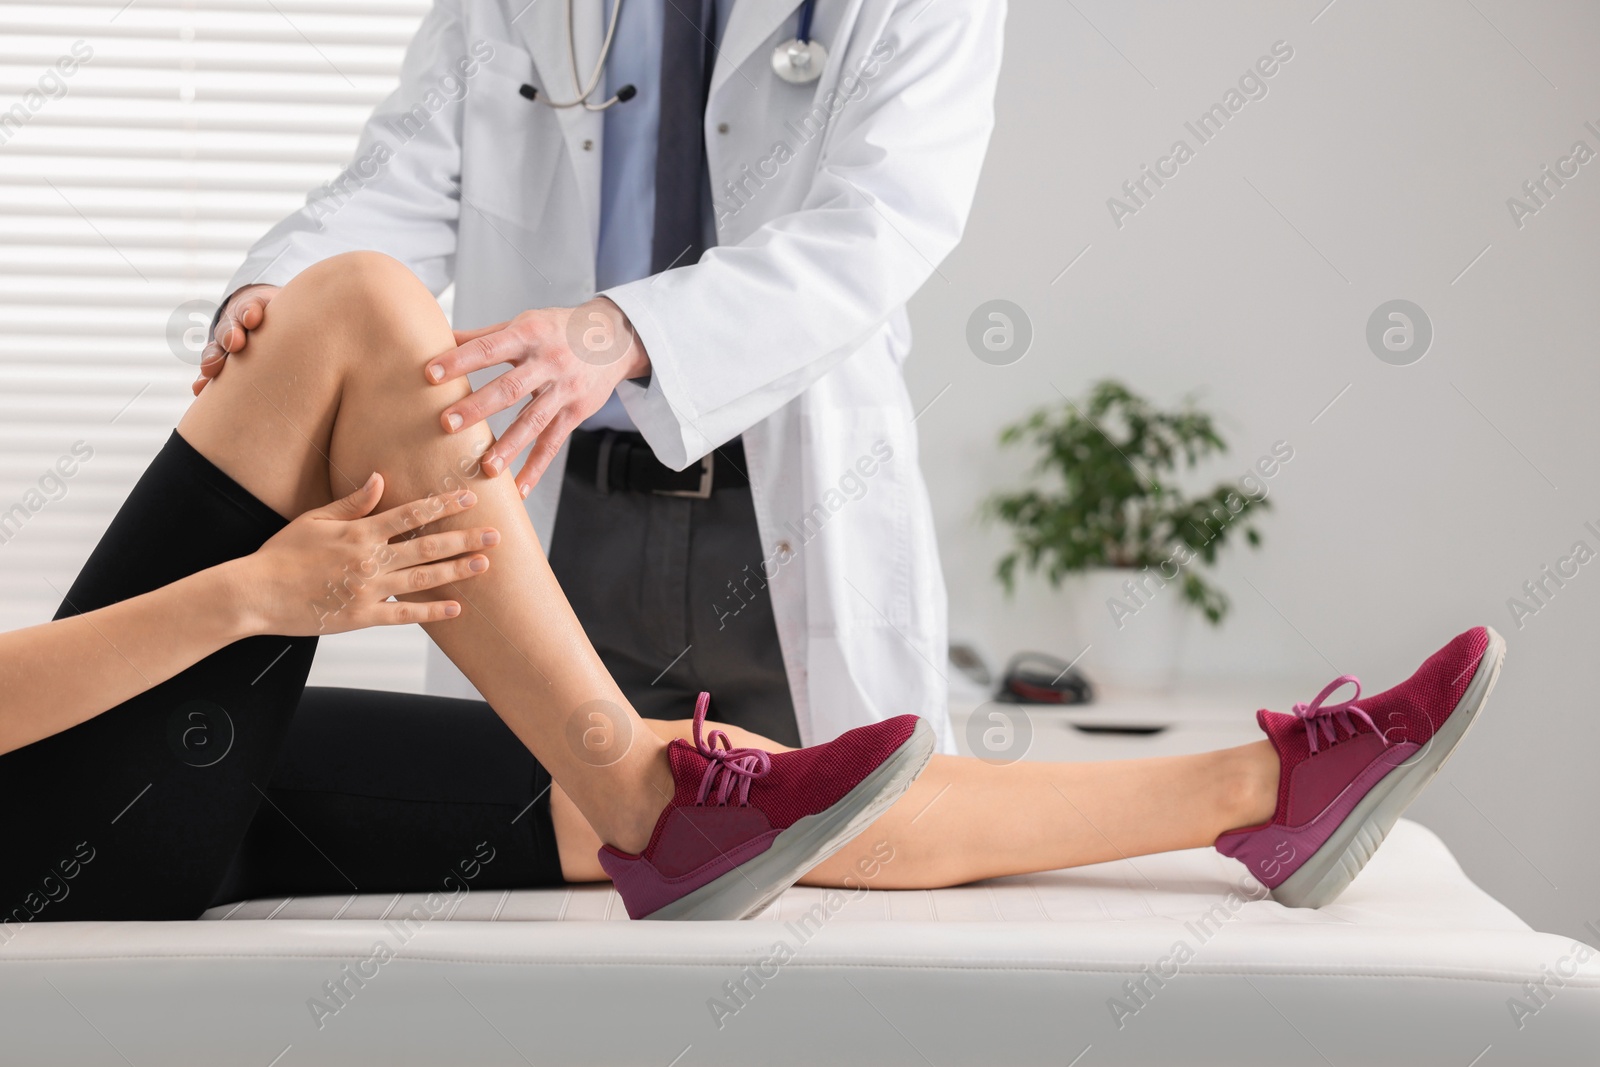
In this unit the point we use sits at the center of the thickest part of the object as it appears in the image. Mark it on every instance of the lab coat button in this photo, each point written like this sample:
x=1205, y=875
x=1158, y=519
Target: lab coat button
x=784, y=548
x=722, y=127
x=588, y=146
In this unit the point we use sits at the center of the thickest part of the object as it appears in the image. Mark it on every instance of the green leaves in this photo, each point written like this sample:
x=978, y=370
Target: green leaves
x=1115, y=501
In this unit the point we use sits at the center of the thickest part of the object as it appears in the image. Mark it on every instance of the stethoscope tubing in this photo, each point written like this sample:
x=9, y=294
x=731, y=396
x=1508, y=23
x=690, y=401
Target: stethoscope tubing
x=586, y=91
x=803, y=31
x=626, y=92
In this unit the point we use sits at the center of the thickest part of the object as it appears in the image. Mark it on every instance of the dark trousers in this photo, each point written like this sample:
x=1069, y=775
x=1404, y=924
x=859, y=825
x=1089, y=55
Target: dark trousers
x=671, y=593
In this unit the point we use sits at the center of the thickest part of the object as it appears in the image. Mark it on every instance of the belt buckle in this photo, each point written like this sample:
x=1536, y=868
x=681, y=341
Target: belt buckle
x=703, y=491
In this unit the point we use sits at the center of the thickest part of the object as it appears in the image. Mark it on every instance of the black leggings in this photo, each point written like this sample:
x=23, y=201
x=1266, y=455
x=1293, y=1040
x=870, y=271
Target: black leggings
x=213, y=787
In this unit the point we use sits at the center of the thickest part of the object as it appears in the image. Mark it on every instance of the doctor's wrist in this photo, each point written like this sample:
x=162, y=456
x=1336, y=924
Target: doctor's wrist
x=635, y=360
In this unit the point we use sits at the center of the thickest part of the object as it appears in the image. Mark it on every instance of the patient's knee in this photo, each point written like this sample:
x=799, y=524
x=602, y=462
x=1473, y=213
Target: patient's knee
x=375, y=298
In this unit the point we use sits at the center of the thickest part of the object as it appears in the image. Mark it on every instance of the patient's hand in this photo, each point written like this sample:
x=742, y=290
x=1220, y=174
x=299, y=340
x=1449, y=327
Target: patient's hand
x=569, y=360
x=334, y=569
x=243, y=312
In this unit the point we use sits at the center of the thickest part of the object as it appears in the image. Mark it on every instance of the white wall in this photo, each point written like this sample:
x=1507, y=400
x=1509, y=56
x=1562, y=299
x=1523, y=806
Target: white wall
x=1426, y=496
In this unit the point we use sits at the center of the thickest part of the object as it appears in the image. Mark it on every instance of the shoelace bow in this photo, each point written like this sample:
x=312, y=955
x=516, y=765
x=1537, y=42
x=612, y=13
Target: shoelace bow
x=729, y=769
x=1320, y=716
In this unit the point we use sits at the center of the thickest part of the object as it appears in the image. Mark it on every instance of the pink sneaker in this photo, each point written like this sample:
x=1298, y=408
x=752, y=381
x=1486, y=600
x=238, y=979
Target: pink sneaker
x=744, y=824
x=1348, y=771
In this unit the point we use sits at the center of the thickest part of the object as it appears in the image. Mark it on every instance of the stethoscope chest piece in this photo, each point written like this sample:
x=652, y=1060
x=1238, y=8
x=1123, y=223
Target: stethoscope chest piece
x=798, y=62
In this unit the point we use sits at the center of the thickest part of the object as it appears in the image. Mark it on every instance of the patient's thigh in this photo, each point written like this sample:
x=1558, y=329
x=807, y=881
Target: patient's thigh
x=398, y=792
x=137, y=812
x=266, y=421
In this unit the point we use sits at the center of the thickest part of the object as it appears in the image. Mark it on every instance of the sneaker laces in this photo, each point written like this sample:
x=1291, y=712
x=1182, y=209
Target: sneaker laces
x=729, y=769
x=1322, y=717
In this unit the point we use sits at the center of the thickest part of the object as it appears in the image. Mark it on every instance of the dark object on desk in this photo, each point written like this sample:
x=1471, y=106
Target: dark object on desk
x=1037, y=678
x=969, y=661
x=1137, y=730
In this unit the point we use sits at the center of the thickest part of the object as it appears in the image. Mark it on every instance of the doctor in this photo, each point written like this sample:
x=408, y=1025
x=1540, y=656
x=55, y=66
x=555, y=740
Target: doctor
x=716, y=211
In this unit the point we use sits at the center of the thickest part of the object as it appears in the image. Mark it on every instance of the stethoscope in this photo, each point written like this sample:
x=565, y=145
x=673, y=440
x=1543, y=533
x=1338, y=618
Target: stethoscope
x=797, y=61
x=800, y=60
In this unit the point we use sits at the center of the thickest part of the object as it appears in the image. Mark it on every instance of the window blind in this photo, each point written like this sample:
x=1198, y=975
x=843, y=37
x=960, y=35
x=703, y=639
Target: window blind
x=143, y=146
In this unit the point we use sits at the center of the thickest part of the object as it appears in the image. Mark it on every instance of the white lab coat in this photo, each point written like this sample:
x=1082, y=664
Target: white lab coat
x=791, y=332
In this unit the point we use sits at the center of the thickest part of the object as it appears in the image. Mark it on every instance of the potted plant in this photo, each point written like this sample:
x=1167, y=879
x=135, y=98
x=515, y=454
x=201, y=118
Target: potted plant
x=1107, y=522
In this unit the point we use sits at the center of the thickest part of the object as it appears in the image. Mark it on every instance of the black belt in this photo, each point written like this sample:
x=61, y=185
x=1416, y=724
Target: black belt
x=612, y=460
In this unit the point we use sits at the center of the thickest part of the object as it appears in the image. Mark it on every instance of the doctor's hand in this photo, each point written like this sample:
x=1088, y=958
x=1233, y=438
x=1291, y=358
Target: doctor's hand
x=244, y=311
x=568, y=360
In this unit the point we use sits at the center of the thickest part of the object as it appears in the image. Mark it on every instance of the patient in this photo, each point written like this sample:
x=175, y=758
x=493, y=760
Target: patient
x=155, y=763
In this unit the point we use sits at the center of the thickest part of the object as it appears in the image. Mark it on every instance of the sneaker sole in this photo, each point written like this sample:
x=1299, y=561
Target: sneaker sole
x=746, y=890
x=1332, y=868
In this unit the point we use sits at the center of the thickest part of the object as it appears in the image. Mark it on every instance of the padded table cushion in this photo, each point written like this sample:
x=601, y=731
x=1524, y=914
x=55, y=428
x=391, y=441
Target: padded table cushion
x=1170, y=958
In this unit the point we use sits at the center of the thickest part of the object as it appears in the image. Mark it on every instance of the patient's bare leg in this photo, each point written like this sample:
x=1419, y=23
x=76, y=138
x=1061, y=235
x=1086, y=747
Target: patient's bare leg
x=332, y=389
x=965, y=819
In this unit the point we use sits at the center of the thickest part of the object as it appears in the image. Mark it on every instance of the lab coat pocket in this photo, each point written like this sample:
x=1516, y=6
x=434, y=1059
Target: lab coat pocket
x=510, y=146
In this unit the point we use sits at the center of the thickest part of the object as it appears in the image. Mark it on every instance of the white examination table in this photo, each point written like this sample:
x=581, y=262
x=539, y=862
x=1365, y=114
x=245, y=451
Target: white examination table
x=1414, y=965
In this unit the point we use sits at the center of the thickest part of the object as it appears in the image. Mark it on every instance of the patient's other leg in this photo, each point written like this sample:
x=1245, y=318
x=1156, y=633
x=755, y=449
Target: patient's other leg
x=965, y=819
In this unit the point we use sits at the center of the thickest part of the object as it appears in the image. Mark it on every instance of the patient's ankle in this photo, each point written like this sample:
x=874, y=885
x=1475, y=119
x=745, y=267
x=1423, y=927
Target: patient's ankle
x=634, y=812
x=1250, y=784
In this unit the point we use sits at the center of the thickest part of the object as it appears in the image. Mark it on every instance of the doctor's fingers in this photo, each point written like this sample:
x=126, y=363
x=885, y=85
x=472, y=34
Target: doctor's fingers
x=531, y=422
x=245, y=312
x=503, y=344
x=241, y=315
x=212, y=357
x=501, y=394
x=546, y=448
x=463, y=336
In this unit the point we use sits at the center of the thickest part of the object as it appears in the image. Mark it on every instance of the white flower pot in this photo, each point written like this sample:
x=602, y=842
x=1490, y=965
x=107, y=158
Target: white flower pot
x=1132, y=625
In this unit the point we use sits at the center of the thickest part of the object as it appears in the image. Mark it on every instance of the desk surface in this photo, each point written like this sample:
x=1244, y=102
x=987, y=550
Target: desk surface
x=1188, y=721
